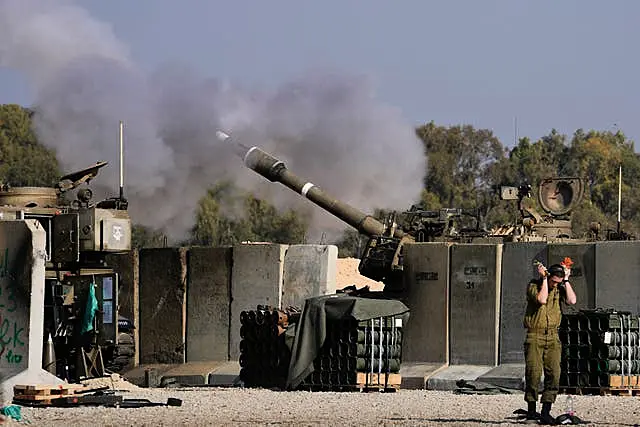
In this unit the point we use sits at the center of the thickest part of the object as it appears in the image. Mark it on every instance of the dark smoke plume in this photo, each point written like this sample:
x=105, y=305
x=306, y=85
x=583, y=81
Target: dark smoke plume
x=327, y=127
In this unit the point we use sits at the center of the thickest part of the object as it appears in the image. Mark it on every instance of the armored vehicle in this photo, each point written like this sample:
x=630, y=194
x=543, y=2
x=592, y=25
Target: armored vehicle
x=382, y=257
x=84, y=335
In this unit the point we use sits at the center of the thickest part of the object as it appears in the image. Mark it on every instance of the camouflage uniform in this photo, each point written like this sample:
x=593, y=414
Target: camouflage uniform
x=542, y=347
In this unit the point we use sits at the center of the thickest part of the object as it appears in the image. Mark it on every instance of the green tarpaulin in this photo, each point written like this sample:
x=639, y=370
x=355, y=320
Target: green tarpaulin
x=310, y=331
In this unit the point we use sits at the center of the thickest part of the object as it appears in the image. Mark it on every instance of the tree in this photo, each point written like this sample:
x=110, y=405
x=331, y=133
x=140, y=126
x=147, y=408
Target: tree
x=458, y=160
x=23, y=160
x=227, y=216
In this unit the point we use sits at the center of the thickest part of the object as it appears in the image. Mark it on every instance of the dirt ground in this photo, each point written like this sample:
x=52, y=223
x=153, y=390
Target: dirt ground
x=348, y=275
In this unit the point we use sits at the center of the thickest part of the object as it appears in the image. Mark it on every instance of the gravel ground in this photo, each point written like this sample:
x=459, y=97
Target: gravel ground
x=236, y=406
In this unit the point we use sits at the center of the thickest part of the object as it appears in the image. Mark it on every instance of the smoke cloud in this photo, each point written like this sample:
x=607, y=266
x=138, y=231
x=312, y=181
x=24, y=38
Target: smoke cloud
x=327, y=127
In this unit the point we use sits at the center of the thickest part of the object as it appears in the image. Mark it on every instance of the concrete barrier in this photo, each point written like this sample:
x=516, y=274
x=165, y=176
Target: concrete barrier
x=22, y=276
x=517, y=271
x=163, y=282
x=426, y=335
x=475, y=304
x=583, y=274
x=208, y=304
x=256, y=279
x=127, y=267
x=309, y=271
x=618, y=276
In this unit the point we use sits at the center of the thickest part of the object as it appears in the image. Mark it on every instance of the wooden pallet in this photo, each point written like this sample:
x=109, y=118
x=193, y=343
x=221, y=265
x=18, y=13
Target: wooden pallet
x=45, y=393
x=626, y=381
x=601, y=391
x=376, y=382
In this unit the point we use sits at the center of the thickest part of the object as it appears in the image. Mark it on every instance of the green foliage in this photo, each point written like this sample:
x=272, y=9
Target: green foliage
x=227, y=216
x=458, y=160
x=23, y=160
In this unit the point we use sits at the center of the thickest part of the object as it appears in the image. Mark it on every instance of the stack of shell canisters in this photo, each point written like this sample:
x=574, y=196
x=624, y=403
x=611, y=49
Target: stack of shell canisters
x=264, y=355
x=358, y=353
x=600, y=349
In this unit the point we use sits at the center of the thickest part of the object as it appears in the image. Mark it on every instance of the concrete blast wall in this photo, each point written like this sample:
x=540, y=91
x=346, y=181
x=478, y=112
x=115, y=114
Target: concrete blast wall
x=475, y=304
x=618, y=276
x=426, y=334
x=190, y=299
x=309, y=271
x=517, y=270
x=127, y=266
x=208, y=304
x=163, y=286
x=22, y=274
x=583, y=272
x=256, y=279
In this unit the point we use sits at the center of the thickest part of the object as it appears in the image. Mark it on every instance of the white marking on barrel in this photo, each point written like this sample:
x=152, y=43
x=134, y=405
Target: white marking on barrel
x=305, y=188
x=247, y=154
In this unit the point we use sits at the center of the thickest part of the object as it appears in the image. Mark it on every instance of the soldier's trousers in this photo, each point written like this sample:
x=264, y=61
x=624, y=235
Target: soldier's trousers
x=542, y=352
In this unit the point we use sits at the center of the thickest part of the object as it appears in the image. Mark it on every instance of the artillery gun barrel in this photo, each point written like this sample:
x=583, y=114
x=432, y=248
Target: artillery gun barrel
x=275, y=170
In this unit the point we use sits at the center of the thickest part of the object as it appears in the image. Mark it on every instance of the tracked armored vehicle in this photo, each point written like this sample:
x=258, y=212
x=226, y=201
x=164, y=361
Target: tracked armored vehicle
x=84, y=334
x=382, y=257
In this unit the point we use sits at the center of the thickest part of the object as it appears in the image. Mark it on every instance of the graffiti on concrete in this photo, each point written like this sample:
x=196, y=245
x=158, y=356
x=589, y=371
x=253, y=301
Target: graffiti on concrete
x=12, y=331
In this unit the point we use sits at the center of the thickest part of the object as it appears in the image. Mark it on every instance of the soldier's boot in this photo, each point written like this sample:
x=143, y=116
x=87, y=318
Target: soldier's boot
x=531, y=411
x=545, y=415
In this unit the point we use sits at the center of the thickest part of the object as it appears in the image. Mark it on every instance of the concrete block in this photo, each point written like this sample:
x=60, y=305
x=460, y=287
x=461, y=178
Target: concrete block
x=22, y=276
x=147, y=375
x=583, y=278
x=127, y=267
x=508, y=375
x=517, y=271
x=475, y=304
x=227, y=375
x=256, y=279
x=163, y=280
x=208, y=304
x=309, y=271
x=415, y=374
x=447, y=378
x=618, y=276
x=426, y=277
x=190, y=373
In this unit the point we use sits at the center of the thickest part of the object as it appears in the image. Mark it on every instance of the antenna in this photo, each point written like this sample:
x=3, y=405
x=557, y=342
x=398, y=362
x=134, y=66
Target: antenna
x=121, y=140
x=619, y=195
x=515, y=130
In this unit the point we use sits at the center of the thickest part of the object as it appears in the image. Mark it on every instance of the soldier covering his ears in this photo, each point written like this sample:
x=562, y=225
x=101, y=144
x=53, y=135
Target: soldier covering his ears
x=542, y=347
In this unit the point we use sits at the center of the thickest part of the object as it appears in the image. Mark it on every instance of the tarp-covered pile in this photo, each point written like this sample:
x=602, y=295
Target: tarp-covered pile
x=335, y=337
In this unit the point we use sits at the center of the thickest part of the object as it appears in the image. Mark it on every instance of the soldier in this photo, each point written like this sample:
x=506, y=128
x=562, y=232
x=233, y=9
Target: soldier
x=542, y=347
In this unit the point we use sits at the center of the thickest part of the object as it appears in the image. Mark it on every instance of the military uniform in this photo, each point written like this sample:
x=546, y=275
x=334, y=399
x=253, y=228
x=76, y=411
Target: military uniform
x=542, y=347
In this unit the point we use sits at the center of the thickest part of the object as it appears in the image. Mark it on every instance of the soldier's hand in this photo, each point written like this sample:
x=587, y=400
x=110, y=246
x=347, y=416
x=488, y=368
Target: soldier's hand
x=567, y=273
x=542, y=270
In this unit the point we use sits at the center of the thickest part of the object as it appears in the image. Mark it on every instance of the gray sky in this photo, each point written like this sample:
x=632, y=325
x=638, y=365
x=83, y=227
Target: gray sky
x=551, y=64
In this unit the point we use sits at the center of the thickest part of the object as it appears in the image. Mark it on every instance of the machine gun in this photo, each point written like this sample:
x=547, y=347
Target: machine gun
x=445, y=224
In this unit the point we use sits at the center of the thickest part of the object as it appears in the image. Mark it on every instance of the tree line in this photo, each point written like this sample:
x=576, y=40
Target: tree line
x=465, y=166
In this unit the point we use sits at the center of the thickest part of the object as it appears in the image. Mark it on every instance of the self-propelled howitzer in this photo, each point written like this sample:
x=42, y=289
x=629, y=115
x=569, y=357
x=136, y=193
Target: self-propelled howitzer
x=381, y=259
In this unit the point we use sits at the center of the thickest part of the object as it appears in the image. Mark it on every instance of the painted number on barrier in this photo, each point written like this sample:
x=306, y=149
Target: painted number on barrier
x=475, y=270
x=426, y=275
